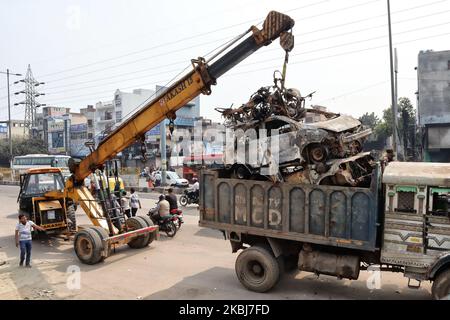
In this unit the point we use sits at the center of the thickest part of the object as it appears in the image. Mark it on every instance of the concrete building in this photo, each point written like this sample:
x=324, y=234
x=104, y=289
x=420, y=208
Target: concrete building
x=110, y=114
x=17, y=129
x=89, y=113
x=63, y=131
x=105, y=117
x=434, y=104
x=127, y=103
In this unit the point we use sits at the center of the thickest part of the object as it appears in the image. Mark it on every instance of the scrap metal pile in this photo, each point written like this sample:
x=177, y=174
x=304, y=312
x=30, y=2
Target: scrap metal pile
x=316, y=147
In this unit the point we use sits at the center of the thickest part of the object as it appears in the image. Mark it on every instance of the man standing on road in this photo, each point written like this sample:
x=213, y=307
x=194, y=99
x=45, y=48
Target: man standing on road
x=23, y=238
x=135, y=202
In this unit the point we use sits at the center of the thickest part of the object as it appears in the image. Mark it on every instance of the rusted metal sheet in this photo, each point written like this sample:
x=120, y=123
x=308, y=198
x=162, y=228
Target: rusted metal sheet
x=333, y=215
x=417, y=173
x=338, y=124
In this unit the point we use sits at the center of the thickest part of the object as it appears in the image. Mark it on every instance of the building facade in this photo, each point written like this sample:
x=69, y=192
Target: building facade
x=434, y=104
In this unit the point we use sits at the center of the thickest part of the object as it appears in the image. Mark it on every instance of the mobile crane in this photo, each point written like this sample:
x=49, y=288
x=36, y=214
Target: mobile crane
x=50, y=202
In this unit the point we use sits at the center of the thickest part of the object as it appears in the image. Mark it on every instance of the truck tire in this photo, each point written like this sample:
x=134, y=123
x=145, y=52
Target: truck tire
x=149, y=223
x=103, y=235
x=142, y=241
x=441, y=285
x=257, y=269
x=88, y=246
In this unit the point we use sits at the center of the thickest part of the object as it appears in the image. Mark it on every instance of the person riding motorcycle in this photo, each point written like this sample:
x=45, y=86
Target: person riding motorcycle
x=172, y=199
x=196, y=187
x=162, y=209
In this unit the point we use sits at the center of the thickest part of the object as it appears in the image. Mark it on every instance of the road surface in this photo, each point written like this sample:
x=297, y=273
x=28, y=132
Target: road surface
x=196, y=264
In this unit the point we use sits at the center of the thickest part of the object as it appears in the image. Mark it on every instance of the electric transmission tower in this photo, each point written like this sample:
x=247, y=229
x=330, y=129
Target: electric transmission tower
x=30, y=102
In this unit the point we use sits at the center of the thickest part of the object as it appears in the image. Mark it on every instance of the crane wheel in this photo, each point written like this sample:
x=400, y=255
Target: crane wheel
x=88, y=246
x=149, y=223
x=103, y=235
x=142, y=241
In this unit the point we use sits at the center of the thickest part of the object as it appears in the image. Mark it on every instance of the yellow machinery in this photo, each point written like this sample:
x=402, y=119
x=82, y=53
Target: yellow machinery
x=93, y=244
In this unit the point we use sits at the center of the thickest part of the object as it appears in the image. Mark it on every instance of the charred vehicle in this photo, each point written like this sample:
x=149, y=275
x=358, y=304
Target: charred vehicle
x=326, y=151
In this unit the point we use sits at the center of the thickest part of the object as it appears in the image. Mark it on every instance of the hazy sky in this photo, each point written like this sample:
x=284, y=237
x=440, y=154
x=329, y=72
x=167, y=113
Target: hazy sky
x=84, y=50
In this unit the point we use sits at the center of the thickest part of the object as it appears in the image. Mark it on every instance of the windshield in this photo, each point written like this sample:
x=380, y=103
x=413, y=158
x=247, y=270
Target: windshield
x=44, y=182
x=173, y=175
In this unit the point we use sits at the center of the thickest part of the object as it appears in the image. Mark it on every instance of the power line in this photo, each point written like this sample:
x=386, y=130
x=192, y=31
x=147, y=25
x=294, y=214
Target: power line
x=320, y=58
x=355, y=91
x=374, y=17
x=297, y=54
x=213, y=31
x=178, y=41
x=191, y=37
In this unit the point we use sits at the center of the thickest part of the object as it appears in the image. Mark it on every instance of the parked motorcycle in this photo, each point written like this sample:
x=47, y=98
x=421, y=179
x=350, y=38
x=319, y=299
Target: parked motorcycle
x=189, y=196
x=167, y=224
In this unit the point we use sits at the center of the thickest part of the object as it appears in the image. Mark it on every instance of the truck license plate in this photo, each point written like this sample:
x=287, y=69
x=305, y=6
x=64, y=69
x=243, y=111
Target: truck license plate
x=51, y=215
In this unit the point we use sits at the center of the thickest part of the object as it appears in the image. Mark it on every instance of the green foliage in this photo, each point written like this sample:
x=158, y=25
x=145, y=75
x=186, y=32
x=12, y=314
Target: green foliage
x=406, y=125
x=20, y=147
x=370, y=120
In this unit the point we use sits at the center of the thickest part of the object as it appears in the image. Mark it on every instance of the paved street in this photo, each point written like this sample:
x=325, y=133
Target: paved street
x=196, y=264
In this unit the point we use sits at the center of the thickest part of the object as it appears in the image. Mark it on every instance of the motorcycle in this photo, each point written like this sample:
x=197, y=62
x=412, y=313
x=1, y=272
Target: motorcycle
x=189, y=196
x=179, y=214
x=167, y=224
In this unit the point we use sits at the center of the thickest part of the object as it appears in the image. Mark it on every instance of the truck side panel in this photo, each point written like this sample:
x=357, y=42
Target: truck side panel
x=329, y=215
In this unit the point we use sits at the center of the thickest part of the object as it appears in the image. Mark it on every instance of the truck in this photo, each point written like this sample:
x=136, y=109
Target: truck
x=50, y=201
x=399, y=223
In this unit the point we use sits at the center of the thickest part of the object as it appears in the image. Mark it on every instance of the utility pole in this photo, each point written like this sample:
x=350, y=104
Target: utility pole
x=30, y=101
x=163, y=152
x=400, y=149
x=9, y=113
x=393, y=86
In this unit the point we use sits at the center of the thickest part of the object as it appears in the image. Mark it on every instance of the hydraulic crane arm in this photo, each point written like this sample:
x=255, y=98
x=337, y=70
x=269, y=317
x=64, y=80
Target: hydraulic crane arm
x=164, y=105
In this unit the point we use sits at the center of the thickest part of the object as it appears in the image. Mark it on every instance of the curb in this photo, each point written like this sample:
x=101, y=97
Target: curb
x=161, y=190
x=10, y=183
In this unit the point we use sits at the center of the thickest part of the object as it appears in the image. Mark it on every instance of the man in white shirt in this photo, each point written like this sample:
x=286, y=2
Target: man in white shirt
x=196, y=187
x=135, y=202
x=23, y=238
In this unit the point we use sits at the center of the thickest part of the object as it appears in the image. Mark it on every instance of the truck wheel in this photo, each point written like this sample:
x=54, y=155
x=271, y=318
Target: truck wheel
x=88, y=246
x=149, y=223
x=103, y=235
x=441, y=286
x=257, y=269
x=142, y=241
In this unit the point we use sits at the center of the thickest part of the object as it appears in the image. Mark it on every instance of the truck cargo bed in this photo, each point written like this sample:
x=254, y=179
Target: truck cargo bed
x=328, y=215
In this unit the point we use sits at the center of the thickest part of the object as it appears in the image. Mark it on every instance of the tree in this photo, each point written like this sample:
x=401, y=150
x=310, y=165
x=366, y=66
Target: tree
x=406, y=126
x=370, y=120
x=20, y=147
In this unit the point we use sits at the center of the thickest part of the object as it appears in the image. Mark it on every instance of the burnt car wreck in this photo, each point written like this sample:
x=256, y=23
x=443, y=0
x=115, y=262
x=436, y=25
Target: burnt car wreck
x=314, y=146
